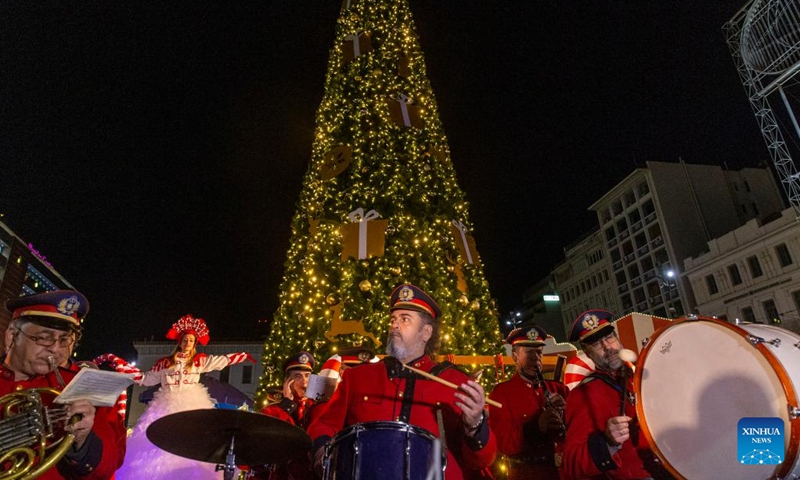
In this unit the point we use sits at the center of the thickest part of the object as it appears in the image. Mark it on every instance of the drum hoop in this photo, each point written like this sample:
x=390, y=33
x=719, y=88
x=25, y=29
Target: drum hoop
x=382, y=425
x=777, y=366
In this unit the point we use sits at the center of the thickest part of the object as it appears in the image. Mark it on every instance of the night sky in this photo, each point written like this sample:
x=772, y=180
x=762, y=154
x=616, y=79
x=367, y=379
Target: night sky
x=154, y=152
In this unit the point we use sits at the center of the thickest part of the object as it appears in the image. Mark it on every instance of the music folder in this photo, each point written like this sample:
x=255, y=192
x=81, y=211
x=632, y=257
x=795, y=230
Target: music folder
x=100, y=387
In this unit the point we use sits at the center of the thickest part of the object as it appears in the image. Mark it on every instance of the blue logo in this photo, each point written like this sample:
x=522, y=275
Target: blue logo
x=760, y=441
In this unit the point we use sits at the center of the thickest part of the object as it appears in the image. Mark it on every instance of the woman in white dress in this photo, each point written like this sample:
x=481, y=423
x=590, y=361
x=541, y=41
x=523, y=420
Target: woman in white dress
x=181, y=390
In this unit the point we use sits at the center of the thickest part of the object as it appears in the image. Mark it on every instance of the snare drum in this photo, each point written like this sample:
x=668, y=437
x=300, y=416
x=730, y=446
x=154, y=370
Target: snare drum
x=381, y=451
x=698, y=377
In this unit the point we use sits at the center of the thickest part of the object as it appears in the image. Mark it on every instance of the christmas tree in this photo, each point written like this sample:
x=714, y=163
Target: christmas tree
x=379, y=206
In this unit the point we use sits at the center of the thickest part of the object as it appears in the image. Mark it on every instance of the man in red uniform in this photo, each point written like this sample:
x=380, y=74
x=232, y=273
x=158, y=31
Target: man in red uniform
x=385, y=391
x=292, y=407
x=531, y=420
x=43, y=329
x=603, y=435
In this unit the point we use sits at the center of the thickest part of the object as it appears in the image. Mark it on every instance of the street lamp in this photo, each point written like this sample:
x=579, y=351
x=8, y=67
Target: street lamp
x=515, y=318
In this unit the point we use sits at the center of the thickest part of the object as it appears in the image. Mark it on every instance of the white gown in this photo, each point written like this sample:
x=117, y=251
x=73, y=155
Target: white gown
x=180, y=390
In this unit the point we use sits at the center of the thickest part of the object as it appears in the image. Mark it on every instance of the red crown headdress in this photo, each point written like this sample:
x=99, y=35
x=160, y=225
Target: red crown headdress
x=189, y=324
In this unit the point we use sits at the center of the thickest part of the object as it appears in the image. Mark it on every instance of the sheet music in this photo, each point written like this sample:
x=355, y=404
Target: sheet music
x=101, y=387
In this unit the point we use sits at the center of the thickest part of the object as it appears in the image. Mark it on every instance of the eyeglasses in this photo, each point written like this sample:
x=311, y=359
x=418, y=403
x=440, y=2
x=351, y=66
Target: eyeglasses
x=48, y=341
x=610, y=339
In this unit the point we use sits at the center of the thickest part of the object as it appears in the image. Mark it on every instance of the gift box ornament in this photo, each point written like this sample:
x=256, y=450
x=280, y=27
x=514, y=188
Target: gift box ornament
x=465, y=242
x=335, y=161
x=365, y=236
x=404, y=112
x=356, y=45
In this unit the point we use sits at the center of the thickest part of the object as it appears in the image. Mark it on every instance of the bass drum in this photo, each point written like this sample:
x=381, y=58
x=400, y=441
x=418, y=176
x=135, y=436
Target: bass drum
x=698, y=377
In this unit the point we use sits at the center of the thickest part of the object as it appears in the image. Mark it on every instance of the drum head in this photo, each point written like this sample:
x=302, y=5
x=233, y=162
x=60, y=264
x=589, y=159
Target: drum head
x=695, y=380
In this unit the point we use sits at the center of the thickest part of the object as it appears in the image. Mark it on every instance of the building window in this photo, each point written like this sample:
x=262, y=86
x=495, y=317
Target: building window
x=755, y=209
x=748, y=315
x=711, y=283
x=617, y=207
x=247, y=374
x=643, y=189
x=610, y=234
x=630, y=198
x=796, y=297
x=772, y=312
x=784, y=257
x=225, y=375
x=755, y=266
x=733, y=271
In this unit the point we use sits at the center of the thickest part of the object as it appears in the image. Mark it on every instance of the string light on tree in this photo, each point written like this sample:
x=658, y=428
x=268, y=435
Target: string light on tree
x=378, y=204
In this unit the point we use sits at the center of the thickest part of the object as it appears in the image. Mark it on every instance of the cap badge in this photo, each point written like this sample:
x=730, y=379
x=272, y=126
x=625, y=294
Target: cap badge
x=590, y=321
x=303, y=358
x=532, y=334
x=406, y=294
x=363, y=356
x=68, y=306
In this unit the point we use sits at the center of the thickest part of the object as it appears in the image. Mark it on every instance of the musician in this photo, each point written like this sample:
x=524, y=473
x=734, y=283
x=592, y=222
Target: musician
x=531, y=420
x=603, y=435
x=385, y=391
x=292, y=407
x=181, y=390
x=48, y=325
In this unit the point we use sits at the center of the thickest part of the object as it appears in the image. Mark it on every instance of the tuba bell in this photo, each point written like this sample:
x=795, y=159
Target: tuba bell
x=32, y=436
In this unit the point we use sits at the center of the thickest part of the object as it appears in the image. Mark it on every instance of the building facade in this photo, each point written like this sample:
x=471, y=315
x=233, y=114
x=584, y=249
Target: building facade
x=660, y=215
x=751, y=274
x=23, y=271
x=583, y=279
x=541, y=305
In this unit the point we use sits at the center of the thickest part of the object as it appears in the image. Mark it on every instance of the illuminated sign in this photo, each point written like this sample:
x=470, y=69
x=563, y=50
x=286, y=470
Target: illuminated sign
x=550, y=298
x=39, y=255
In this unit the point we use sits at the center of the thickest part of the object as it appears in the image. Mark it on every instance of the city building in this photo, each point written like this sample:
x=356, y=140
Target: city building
x=751, y=274
x=662, y=214
x=583, y=279
x=244, y=376
x=23, y=271
x=541, y=305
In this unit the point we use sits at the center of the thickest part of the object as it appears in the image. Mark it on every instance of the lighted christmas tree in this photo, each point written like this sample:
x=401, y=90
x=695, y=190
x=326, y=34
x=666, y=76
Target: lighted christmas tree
x=379, y=206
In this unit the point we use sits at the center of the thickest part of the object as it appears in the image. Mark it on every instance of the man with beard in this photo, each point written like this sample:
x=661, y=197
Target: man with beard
x=603, y=435
x=531, y=421
x=386, y=391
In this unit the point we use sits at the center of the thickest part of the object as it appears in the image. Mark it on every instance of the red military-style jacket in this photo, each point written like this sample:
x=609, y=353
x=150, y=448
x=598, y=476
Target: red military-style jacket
x=531, y=452
x=367, y=394
x=586, y=452
x=104, y=450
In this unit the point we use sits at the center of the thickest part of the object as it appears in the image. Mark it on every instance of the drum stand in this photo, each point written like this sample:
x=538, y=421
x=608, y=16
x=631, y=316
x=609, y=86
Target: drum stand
x=230, y=462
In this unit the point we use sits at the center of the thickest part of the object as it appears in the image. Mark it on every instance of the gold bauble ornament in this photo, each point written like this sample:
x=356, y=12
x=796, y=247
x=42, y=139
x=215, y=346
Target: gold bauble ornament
x=357, y=78
x=332, y=299
x=365, y=286
x=396, y=270
x=476, y=305
x=377, y=72
x=464, y=301
x=451, y=268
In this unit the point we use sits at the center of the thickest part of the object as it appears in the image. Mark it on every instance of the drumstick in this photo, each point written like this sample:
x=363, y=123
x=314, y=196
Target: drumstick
x=447, y=384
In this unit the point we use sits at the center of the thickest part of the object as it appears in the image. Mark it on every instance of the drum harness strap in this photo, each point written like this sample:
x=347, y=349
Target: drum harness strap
x=395, y=370
x=624, y=393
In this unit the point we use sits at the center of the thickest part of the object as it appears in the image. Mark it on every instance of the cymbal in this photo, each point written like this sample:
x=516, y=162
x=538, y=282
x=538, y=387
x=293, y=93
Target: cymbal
x=205, y=435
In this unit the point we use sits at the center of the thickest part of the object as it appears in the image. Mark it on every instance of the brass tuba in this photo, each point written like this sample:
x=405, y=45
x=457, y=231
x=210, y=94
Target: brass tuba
x=32, y=436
